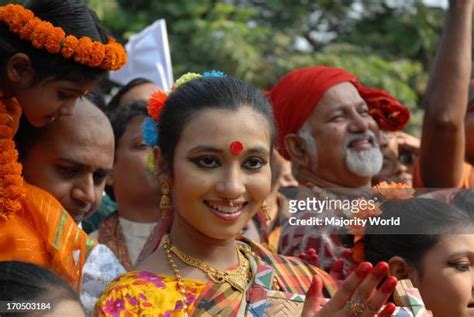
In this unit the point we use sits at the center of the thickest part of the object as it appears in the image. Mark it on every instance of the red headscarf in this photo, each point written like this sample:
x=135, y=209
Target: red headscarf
x=296, y=94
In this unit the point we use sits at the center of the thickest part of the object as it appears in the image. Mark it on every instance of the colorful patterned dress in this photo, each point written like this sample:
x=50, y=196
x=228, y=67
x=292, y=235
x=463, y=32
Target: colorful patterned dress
x=150, y=294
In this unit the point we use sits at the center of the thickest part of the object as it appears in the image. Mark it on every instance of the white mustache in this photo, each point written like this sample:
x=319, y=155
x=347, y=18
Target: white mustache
x=360, y=136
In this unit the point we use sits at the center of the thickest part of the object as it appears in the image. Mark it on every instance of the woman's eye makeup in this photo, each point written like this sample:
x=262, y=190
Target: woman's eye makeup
x=206, y=161
x=210, y=161
x=254, y=163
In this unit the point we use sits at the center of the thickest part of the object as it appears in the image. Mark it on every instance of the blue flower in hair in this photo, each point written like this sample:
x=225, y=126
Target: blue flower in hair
x=214, y=73
x=150, y=132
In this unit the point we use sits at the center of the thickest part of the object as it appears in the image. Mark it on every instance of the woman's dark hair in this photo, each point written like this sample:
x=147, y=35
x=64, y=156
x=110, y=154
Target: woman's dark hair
x=21, y=281
x=75, y=18
x=196, y=96
x=423, y=222
x=464, y=200
x=27, y=135
x=115, y=102
x=120, y=119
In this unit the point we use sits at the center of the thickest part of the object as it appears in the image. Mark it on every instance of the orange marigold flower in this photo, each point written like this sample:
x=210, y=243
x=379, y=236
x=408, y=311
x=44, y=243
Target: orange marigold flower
x=395, y=191
x=53, y=41
x=39, y=34
x=98, y=53
x=109, y=58
x=156, y=103
x=6, y=131
x=69, y=45
x=83, y=50
x=28, y=28
x=11, y=182
x=17, y=18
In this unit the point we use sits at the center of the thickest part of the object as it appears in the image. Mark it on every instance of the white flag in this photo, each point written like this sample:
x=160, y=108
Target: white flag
x=148, y=57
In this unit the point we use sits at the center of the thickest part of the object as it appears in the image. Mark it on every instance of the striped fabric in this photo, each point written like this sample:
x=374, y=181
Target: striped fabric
x=292, y=274
x=43, y=233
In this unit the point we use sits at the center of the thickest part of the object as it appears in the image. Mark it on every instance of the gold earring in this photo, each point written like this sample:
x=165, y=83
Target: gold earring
x=264, y=209
x=165, y=199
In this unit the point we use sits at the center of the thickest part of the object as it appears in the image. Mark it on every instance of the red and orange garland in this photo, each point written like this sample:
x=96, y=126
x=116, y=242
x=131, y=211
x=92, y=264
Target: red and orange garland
x=11, y=182
x=44, y=35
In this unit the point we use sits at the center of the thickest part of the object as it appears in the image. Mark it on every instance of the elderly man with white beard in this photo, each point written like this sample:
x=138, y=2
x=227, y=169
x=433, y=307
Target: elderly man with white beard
x=328, y=125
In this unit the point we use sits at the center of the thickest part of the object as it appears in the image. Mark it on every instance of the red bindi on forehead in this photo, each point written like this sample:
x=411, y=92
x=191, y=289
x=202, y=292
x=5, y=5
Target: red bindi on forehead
x=236, y=147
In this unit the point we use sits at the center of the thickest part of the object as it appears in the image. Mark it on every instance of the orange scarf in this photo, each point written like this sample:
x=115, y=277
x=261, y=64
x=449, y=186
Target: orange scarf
x=34, y=227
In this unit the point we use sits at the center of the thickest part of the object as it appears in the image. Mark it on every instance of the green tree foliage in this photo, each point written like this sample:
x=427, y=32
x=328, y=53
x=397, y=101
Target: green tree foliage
x=388, y=44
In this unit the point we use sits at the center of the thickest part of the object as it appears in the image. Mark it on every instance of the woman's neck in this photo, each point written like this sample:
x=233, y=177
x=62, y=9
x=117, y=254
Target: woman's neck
x=138, y=212
x=218, y=253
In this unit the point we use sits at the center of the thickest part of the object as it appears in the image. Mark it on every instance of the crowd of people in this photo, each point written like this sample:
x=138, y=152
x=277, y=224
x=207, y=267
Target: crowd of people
x=197, y=201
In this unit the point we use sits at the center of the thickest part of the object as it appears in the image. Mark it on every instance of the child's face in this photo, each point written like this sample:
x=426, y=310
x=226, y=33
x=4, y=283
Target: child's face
x=49, y=99
x=446, y=282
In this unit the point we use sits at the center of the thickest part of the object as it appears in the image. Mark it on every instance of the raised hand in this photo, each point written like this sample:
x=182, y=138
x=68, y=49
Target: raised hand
x=356, y=296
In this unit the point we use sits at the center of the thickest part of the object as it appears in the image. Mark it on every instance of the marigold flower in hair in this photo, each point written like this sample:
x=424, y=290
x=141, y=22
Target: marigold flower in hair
x=156, y=103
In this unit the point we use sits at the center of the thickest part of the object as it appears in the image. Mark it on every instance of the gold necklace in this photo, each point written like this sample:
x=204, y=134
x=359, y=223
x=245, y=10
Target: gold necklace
x=238, y=278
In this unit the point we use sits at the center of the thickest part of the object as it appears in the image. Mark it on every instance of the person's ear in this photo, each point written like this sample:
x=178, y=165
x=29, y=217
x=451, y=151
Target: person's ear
x=20, y=72
x=400, y=268
x=298, y=150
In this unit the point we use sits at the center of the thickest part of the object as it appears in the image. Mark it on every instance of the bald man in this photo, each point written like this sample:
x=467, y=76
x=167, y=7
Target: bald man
x=70, y=158
x=64, y=166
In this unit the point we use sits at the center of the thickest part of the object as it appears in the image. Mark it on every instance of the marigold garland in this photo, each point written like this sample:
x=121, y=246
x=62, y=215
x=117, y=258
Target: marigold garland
x=44, y=35
x=11, y=182
x=394, y=191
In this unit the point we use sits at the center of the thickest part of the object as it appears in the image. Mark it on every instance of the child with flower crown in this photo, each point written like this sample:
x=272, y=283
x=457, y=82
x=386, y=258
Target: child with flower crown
x=51, y=53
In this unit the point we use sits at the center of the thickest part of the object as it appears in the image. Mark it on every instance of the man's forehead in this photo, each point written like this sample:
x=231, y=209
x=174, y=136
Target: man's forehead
x=86, y=163
x=340, y=99
x=89, y=146
x=341, y=94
